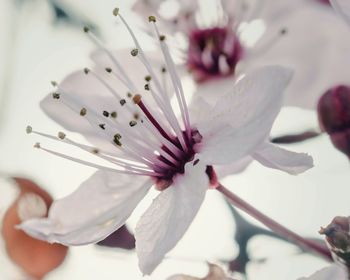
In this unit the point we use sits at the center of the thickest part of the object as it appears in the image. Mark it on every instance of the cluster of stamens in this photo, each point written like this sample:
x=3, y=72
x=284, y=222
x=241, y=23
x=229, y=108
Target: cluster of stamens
x=149, y=140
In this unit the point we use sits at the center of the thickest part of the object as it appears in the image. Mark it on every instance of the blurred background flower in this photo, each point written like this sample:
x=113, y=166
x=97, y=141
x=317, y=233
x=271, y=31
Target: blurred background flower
x=35, y=258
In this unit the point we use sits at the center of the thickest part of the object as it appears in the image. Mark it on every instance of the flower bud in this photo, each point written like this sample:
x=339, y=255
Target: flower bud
x=334, y=116
x=338, y=238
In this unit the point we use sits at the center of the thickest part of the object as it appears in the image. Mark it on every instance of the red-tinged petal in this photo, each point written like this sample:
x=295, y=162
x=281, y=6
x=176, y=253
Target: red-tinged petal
x=36, y=258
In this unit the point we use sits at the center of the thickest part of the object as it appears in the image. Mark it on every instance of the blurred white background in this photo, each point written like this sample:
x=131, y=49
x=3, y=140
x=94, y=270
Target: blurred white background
x=34, y=51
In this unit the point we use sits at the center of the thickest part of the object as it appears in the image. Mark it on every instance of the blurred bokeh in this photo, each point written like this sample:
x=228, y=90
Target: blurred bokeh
x=40, y=43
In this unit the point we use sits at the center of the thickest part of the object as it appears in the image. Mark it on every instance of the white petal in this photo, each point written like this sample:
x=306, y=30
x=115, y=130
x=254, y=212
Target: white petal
x=168, y=218
x=99, y=207
x=233, y=168
x=199, y=108
x=332, y=272
x=342, y=7
x=242, y=120
x=213, y=90
x=320, y=61
x=275, y=157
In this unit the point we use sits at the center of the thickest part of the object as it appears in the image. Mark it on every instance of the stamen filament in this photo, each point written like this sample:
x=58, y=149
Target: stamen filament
x=127, y=166
x=166, y=100
x=164, y=141
x=101, y=167
x=153, y=120
x=95, y=119
x=176, y=82
x=126, y=80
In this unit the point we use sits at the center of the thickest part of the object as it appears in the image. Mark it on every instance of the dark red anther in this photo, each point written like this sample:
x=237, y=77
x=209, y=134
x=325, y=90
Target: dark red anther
x=334, y=116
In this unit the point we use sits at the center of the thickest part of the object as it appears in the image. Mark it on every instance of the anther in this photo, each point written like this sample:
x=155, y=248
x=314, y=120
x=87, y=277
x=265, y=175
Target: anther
x=37, y=145
x=136, y=116
x=146, y=86
x=95, y=151
x=86, y=70
x=137, y=98
x=117, y=142
x=116, y=139
x=29, y=129
x=122, y=102
x=116, y=12
x=162, y=37
x=129, y=94
x=152, y=19
x=61, y=135
x=108, y=69
x=83, y=112
x=86, y=29
x=106, y=114
x=148, y=78
x=102, y=125
x=114, y=114
x=132, y=123
x=56, y=95
x=117, y=136
x=163, y=69
x=134, y=52
x=54, y=83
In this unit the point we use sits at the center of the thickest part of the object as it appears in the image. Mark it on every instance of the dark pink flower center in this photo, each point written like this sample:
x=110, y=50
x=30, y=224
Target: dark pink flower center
x=213, y=53
x=173, y=161
x=334, y=116
x=177, y=167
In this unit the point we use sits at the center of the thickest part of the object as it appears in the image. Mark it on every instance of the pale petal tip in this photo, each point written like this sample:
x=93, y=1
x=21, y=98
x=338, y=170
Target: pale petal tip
x=307, y=162
x=146, y=267
x=38, y=228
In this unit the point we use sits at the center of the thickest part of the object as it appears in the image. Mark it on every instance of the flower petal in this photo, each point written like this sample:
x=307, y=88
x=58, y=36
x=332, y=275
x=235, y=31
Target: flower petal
x=332, y=272
x=99, y=207
x=242, y=120
x=168, y=218
x=85, y=90
x=343, y=8
x=275, y=157
x=320, y=61
x=233, y=168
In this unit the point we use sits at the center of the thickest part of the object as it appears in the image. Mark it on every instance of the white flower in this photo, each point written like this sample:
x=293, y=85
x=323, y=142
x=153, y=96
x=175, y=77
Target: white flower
x=343, y=8
x=304, y=35
x=147, y=145
x=334, y=271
